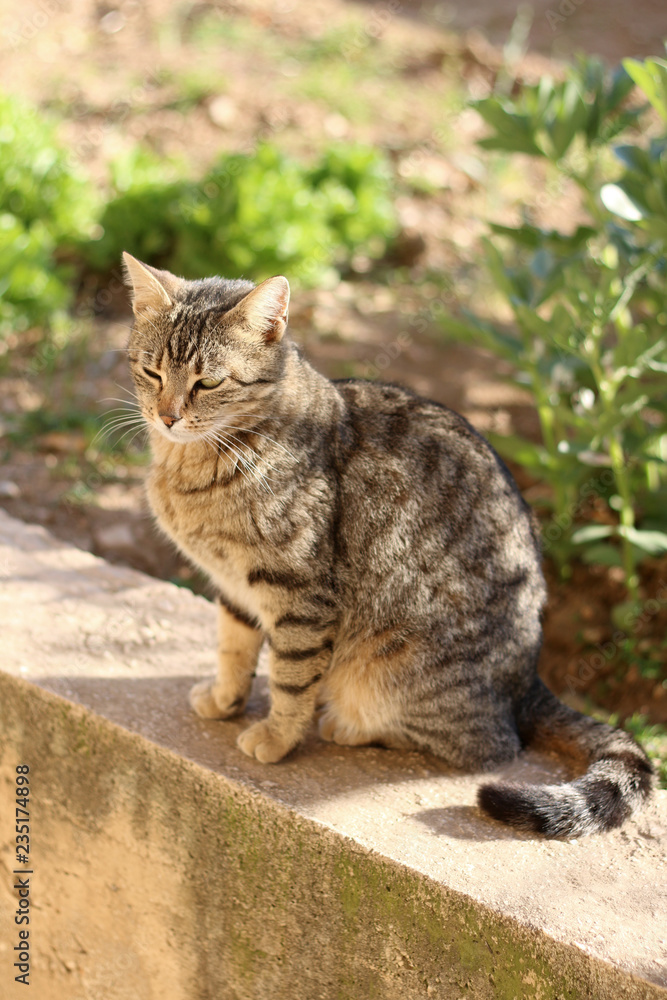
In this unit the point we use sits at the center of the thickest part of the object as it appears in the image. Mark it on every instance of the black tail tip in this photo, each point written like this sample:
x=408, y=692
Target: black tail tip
x=512, y=805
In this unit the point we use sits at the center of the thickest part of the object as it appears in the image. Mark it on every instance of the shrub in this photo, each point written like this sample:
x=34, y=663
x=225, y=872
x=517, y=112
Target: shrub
x=45, y=205
x=254, y=215
x=588, y=337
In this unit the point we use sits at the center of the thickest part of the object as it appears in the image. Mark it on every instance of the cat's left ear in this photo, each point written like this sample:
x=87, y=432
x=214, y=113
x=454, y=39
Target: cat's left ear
x=263, y=312
x=151, y=289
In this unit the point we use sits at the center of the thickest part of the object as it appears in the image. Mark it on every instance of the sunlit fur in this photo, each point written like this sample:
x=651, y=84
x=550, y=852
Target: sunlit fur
x=373, y=538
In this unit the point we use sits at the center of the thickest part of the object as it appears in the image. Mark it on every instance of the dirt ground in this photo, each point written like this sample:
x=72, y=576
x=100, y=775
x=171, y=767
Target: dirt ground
x=612, y=29
x=88, y=59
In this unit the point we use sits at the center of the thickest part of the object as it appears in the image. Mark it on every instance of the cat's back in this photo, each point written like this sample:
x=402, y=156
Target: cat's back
x=394, y=435
x=421, y=487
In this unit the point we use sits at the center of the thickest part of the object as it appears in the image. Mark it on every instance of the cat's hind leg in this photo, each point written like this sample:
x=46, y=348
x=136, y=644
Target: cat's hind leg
x=361, y=704
x=239, y=642
x=467, y=728
x=345, y=732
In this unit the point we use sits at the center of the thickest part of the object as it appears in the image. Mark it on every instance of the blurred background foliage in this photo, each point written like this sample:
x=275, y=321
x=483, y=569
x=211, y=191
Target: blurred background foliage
x=258, y=214
x=261, y=213
x=589, y=332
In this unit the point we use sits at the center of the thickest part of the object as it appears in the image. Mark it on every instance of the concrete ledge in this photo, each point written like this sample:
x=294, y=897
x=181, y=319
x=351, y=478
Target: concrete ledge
x=166, y=864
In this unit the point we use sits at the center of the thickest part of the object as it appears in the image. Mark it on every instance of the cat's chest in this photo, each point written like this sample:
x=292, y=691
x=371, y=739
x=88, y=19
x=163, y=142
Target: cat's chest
x=209, y=524
x=216, y=530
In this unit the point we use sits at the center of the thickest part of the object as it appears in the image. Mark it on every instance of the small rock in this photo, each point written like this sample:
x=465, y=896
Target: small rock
x=408, y=247
x=222, y=111
x=65, y=441
x=336, y=126
x=115, y=536
x=9, y=490
x=112, y=22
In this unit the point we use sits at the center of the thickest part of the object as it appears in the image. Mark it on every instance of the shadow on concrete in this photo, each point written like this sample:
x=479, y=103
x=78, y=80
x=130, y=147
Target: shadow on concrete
x=467, y=823
x=315, y=772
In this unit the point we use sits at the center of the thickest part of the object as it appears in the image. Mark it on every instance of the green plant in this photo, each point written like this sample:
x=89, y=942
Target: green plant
x=251, y=214
x=653, y=738
x=588, y=336
x=45, y=207
x=651, y=76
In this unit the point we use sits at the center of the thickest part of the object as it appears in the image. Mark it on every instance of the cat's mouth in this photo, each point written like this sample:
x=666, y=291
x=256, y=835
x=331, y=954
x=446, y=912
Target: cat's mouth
x=176, y=431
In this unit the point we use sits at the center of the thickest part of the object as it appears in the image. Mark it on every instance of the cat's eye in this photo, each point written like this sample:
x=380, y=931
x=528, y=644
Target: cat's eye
x=209, y=383
x=152, y=374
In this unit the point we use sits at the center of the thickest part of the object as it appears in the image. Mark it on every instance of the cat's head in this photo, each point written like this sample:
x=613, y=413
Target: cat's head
x=204, y=353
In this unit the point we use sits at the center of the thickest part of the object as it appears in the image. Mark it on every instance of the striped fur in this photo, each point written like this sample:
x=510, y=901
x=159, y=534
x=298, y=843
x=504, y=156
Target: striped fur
x=372, y=537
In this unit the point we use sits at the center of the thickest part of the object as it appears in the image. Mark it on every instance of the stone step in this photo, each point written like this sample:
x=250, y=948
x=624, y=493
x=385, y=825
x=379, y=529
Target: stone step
x=165, y=864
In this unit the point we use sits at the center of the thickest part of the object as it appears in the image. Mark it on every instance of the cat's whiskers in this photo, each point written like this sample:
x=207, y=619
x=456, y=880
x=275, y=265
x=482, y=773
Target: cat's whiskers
x=118, y=409
x=129, y=404
x=250, y=466
x=124, y=418
x=129, y=415
x=245, y=444
x=142, y=428
x=123, y=388
x=121, y=421
x=217, y=444
x=250, y=430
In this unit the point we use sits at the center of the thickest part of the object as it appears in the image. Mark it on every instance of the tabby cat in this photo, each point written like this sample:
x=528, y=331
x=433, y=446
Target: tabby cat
x=373, y=538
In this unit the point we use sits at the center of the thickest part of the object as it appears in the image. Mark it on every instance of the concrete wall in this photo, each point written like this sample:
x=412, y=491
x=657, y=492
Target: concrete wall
x=167, y=865
x=154, y=878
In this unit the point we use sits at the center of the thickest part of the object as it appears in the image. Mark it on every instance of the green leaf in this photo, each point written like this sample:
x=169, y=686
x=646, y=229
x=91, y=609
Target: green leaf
x=653, y=542
x=651, y=76
x=634, y=157
x=520, y=450
x=602, y=555
x=615, y=200
x=625, y=615
x=592, y=533
x=570, y=118
x=513, y=131
x=534, y=237
x=478, y=331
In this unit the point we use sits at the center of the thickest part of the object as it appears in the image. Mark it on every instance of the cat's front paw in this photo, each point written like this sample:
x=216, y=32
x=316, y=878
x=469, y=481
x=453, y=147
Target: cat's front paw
x=264, y=742
x=211, y=702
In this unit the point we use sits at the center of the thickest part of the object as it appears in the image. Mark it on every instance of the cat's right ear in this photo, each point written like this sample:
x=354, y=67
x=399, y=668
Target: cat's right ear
x=150, y=288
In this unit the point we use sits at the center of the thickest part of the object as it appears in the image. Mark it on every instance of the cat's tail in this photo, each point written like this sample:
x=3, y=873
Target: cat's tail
x=618, y=780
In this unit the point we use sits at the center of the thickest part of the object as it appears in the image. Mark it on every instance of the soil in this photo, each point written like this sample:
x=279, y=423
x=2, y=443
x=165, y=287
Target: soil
x=371, y=324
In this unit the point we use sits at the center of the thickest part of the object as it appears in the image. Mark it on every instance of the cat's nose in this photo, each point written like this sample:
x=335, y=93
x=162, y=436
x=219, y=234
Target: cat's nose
x=169, y=419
